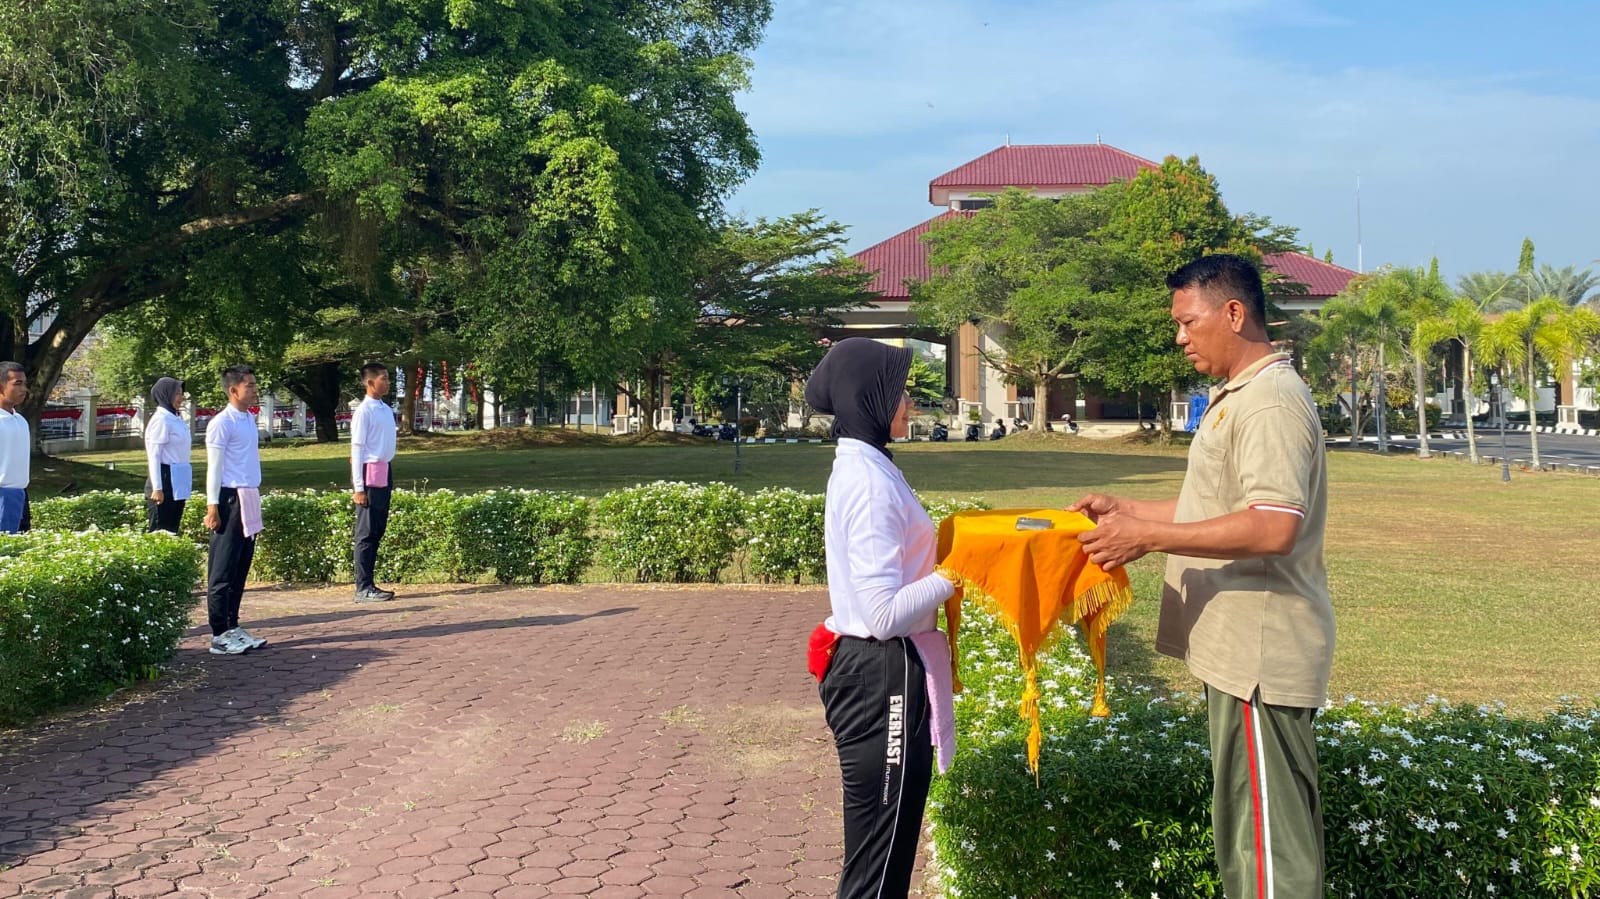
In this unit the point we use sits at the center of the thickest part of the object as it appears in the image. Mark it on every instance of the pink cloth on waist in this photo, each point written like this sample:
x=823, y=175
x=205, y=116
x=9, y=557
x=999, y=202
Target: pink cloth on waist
x=934, y=649
x=376, y=474
x=249, y=510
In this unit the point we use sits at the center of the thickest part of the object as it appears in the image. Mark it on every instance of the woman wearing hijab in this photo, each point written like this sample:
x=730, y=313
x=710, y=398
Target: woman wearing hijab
x=883, y=590
x=166, y=448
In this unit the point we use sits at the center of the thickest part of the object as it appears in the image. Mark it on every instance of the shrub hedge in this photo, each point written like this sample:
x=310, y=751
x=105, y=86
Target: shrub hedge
x=84, y=612
x=661, y=532
x=1431, y=800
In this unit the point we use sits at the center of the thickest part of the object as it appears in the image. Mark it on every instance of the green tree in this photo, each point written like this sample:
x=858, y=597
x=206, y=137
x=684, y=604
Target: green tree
x=757, y=301
x=1008, y=269
x=1545, y=333
x=1419, y=297
x=547, y=162
x=1568, y=284
x=925, y=383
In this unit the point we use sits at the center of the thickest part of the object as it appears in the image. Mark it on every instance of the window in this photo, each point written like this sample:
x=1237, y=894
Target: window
x=983, y=203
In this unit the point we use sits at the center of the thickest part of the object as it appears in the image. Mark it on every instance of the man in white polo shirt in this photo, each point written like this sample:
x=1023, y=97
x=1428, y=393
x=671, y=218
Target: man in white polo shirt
x=233, y=510
x=14, y=448
x=372, y=440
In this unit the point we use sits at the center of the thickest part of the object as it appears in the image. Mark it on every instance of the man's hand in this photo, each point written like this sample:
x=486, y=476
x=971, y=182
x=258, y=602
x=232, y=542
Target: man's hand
x=158, y=496
x=1116, y=540
x=213, y=520
x=1098, y=505
x=359, y=497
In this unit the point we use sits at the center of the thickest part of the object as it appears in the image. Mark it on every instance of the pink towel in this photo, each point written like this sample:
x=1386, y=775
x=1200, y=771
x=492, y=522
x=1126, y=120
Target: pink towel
x=934, y=649
x=250, y=510
x=376, y=474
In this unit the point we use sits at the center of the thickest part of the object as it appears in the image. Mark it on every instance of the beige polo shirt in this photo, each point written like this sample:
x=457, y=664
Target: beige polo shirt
x=1255, y=623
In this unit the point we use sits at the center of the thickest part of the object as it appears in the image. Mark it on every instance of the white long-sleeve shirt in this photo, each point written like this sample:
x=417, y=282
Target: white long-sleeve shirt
x=167, y=441
x=233, y=456
x=14, y=450
x=372, y=438
x=881, y=549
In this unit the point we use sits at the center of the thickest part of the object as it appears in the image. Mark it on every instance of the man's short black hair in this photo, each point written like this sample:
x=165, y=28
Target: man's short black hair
x=234, y=375
x=372, y=370
x=1225, y=277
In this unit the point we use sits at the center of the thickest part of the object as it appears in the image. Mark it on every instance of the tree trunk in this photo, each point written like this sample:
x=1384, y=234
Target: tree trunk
x=1471, y=400
x=1380, y=402
x=1533, y=413
x=318, y=385
x=1041, y=403
x=408, y=407
x=1422, y=411
x=1355, y=402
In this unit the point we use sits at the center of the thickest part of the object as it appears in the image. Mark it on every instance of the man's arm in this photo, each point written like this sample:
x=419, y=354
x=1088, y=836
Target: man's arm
x=1098, y=505
x=1247, y=534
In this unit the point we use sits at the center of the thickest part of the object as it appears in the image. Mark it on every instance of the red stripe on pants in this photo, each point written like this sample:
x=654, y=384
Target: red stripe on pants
x=1255, y=798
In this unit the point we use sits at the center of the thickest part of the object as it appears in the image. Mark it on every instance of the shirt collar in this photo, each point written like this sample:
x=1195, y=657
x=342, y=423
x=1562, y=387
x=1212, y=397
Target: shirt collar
x=850, y=446
x=1249, y=374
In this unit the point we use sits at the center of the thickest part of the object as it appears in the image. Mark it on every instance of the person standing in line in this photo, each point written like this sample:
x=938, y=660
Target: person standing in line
x=885, y=594
x=1246, y=601
x=233, y=510
x=372, y=447
x=15, y=517
x=167, y=445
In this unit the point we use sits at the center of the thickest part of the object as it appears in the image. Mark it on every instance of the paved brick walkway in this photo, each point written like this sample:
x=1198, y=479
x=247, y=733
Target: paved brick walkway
x=609, y=742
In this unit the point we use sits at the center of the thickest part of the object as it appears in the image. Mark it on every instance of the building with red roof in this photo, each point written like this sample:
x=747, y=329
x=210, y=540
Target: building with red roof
x=1047, y=170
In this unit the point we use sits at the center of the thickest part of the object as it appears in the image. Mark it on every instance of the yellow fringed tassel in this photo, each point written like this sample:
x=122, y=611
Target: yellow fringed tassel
x=1030, y=712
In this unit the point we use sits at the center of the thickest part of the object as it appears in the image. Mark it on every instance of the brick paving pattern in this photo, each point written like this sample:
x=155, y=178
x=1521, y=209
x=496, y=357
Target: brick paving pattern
x=604, y=742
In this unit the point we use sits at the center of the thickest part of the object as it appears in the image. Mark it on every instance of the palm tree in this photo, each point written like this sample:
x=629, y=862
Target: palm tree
x=1461, y=321
x=1544, y=331
x=1568, y=285
x=1417, y=297
x=1365, y=322
x=1493, y=291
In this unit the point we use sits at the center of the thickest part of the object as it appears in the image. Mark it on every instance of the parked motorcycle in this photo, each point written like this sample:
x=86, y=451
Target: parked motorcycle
x=728, y=431
x=974, y=432
x=940, y=433
x=999, y=429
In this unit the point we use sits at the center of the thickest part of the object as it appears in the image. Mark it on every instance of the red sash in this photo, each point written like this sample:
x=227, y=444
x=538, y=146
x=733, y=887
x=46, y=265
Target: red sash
x=819, y=655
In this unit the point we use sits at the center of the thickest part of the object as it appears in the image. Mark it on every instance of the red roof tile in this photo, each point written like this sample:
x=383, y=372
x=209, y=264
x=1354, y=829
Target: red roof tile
x=905, y=257
x=1043, y=165
x=1322, y=279
x=901, y=257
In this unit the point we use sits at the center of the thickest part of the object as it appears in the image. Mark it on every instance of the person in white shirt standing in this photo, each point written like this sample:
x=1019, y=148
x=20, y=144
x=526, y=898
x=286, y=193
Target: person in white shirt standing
x=14, y=449
x=167, y=445
x=233, y=510
x=884, y=590
x=372, y=445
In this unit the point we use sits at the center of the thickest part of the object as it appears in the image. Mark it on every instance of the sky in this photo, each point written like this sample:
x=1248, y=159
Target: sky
x=1469, y=125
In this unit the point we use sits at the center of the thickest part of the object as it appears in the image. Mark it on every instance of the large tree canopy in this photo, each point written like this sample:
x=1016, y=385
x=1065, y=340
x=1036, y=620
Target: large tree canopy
x=534, y=166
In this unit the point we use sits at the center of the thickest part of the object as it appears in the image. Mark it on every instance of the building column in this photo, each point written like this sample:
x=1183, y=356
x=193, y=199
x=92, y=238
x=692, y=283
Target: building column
x=91, y=418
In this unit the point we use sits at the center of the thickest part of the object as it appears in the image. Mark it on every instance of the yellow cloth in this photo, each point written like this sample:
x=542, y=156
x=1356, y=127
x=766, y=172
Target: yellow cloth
x=1034, y=580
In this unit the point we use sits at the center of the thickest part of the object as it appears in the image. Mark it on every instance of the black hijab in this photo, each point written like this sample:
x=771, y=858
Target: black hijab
x=166, y=393
x=860, y=382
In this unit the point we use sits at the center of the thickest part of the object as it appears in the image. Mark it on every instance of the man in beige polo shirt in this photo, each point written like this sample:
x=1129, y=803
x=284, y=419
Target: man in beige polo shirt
x=1246, y=596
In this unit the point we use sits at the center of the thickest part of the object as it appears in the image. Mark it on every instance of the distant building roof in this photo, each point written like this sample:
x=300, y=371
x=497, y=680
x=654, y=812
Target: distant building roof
x=904, y=257
x=901, y=257
x=1322, y=279
x=1042, y=166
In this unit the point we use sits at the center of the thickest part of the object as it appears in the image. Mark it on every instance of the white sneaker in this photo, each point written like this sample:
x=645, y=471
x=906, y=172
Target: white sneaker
x=228, y=644
x=250, y=641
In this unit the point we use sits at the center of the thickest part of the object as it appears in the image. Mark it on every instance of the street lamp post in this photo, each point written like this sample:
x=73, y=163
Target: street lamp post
x=1500, y=409
x=738, y=414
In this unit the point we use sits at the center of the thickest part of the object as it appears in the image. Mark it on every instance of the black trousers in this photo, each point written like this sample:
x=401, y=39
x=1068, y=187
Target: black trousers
x=876, y=700
x=372, y=520
x=166, y=515
x=228, y=565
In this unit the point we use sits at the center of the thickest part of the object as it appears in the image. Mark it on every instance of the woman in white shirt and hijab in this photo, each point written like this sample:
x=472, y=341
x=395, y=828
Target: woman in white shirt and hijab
x=883, y=589
x=167, y=446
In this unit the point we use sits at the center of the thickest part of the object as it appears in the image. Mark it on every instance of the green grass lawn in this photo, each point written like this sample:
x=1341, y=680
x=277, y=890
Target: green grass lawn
x=1445, y=581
